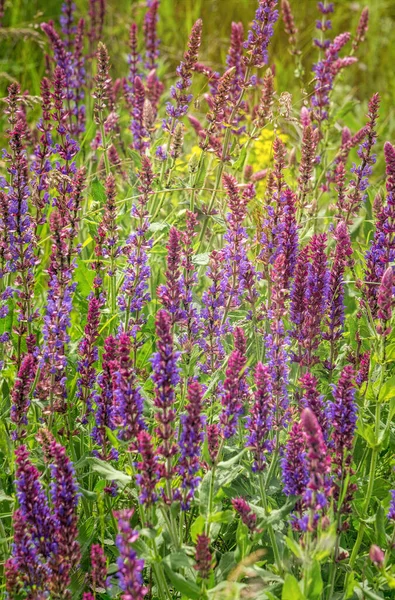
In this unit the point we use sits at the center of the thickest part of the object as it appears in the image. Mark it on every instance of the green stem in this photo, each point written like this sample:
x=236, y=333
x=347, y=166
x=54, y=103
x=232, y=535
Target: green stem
x=270, y=530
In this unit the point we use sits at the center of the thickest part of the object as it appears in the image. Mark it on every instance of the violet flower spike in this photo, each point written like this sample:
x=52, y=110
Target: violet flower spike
x=130, y=568
x=260, y=34
x=191, y=441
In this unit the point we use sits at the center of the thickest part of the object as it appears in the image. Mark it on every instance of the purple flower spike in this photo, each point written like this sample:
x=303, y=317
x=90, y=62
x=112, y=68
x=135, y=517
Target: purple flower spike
x=165, y=377
x=233, y=394
x=191, y=441
x=149, y=469
x=246, y=513
x=203, y=557
x=260, y=420
x=260, y=34
x=130, y=568
x=127, y=393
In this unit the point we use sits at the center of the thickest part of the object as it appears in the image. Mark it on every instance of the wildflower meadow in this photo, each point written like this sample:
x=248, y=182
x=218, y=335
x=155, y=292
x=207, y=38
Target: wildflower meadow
x=197, y=345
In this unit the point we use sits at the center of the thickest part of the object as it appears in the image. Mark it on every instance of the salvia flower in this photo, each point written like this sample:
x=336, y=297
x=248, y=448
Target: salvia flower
x=362, y=28
x=289, y=25
x=134, y=290
x=260, y=419
x=203, y=557
x=317, y=493
x=391, y=512
x=341, y=259
x=382, y=250
x=234, y=389
x=88, y=354
x=325, y=72
x=260, y=34
x=385, y=302
x=314, y=401
x=343, y=417
x=295, y=474
x=127, y=394
x=20, y=396
x=33, y=504
x=151, y=35
x=105, y=408
x=376, y=555
x=170, y=293
x=310, y=141
x=191, y=441
x=246, y=513
x=148, y=469
x=179, y=92
x=99, y=567
x=130, y=568
x=213, y=435
x=165, y=376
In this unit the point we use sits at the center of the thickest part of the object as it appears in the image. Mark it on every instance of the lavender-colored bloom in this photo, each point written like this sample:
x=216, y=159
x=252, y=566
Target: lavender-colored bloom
x=324, y=24
x=41, y=165
x=382, y=249
x=363, y=26
x=137, y=127
x=234, y=60
x=309, y=152
x=343, y=252
x=234, y=390
x=246, y=513
x=325, y=72
x=277, y=344
x=130, y=568
x=342, y=415
x=99, y=567
x=260, y=34
x=317, y=493
x=191, y=441
x=151, y=35
x=203, y=557
x=134, y=295
x=67, y=22
x=21, y=392
x=309, y=298
x=107, y=235
x=315, y=402
x=127, y=395
x=236, y=263
x=88, y=354
x=376, y=555
x=213, y=433
x=361, y=173
x=212, y=324
x=165, y=377
x=391, y=512
x=170, y=293
x=33, y=504
x=105, y=411
x=148, y=469
x=385, y=302
x=25, y=572
x=260, y=419
x=295, y=474
x=53, y=361
x=97, y=11
x=184, y=71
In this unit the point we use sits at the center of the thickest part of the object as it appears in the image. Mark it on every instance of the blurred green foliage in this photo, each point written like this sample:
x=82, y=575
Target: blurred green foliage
x=22, y=44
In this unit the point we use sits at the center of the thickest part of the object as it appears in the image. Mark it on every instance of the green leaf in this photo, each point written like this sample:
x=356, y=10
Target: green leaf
x=197, y=527
x=98, y=191
x=387, y=390
x=84, y=277
x=315, y=585
x=188, y=588
x=295, y=548
x=291, y=589
x=178, y=560
x=232, y=461
x=108, y=472
x=224, y=516
x=239, y=163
